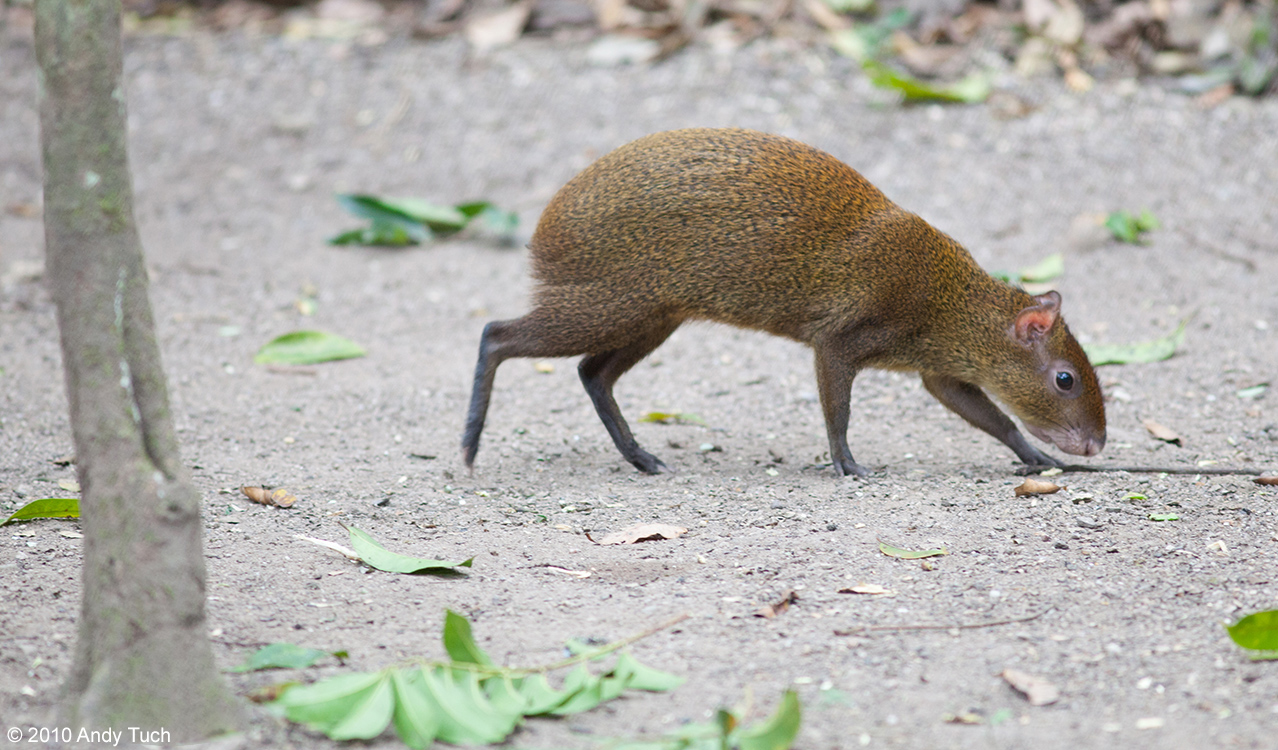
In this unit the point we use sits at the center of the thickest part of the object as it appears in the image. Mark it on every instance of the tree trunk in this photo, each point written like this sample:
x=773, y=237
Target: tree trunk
x=143, y=657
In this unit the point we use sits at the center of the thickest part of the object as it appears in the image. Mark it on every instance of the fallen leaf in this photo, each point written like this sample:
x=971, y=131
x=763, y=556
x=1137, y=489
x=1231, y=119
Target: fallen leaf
x=772, y=610
x=644, y=532
x=1266, y=480
x=566, y=571
x=868, y=588
x=969, y=718
x=673, y=417
x=1160, y=432
x=498, y=29
x=1163, y=517
x=544, y=367
x=1032, y=486
x=1147, y=351
x=70, y=485
x=1038, y=691
x=71, y=534
x=280, y=498
x=54, y=507
x=307, y=348
x=1253, y=392
x=906, y=554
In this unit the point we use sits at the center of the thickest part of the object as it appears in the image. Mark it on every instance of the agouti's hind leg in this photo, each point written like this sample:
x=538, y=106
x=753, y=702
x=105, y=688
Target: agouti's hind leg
x=599, y=372
x=503, y=339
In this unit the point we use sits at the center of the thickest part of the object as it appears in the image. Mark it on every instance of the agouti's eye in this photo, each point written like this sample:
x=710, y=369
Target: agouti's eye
x=1064, y=381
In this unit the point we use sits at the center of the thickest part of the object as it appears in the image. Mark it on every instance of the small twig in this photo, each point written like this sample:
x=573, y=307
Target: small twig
x=1219, y=471
x=967, y=626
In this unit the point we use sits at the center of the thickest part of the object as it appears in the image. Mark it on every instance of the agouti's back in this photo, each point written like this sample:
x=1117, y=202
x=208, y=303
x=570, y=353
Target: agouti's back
x=764, y=232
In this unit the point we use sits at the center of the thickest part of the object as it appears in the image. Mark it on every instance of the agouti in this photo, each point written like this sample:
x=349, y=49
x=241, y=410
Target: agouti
x=764, y=232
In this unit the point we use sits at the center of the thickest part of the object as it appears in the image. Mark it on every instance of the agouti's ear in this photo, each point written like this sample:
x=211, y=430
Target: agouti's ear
x=1035, y=321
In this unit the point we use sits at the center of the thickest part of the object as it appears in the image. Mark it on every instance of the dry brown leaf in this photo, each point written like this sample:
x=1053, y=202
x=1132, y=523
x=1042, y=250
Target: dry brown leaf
x=644, y=532
x=496, y=29
x=772, y=610
x=1160, y=432
x=868, y=588
x=1266, y=480
x=1032, y=486
x=280, y=498
x=1038, y=691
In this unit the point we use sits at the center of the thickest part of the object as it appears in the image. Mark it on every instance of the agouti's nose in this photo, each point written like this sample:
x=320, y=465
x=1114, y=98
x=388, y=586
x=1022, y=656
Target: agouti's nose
x=1093, y=445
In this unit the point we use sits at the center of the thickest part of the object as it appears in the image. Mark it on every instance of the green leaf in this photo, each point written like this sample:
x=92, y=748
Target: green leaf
x=1134, y=496
x=1146, y=351
x=1163, y=517
x=1045, y=270
x=415, y=719
x=676, y=417
x=584, y=689
x=408, y=221
x=640, y=677
x=906, y=554
x=1128, y=228
x=779, y=731
x=280, y=656
x=459, y=643
x=541, y=698
x=377, y=556
x=441, y=219
x=972, y=89
x=53, y=507
x=323, y=704
x=464, y=720
x=1252, y=392
x=307, y=348
x=503, y=693
x=1257, y=631
x=369, y=715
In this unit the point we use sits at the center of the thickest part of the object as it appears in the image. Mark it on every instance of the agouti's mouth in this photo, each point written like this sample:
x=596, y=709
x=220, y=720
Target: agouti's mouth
x=1072, y=440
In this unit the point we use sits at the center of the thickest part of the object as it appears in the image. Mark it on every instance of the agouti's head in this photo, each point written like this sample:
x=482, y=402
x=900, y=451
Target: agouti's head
x=1061, y=402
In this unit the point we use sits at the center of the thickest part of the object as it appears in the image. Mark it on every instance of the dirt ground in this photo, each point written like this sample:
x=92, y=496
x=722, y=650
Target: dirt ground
x=238, y=144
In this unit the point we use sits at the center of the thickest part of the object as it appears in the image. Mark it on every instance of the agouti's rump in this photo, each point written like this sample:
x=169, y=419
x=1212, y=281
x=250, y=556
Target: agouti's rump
x=764, y=232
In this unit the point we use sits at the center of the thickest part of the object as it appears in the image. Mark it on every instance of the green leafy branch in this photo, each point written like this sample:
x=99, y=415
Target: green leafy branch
x=468, y=700
x=395, y=222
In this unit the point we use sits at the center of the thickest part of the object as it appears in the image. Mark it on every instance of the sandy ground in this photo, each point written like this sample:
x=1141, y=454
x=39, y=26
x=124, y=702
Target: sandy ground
x=238, y=144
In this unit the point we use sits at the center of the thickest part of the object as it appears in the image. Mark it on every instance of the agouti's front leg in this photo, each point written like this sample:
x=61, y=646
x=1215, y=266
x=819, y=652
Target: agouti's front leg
x=971, y=403
x=834, y=384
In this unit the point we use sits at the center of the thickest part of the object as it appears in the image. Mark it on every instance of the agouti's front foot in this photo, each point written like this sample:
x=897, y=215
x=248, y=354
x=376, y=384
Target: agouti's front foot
x=848, y=468
x=647, y=463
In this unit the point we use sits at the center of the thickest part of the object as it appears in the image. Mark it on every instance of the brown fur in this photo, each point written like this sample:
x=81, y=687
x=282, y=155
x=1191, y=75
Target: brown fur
x=763, y=232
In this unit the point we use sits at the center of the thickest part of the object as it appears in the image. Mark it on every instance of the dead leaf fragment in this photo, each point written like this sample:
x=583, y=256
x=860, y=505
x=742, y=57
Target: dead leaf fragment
x=498, y=29
x=1266, y=480
x=1160, y=432
x=1038, y=691
x=70, y=485
x=644, y=532
x=772, y=610
x=1032, y=486
x=868, y=588
x=280, y=498
x=964, y=718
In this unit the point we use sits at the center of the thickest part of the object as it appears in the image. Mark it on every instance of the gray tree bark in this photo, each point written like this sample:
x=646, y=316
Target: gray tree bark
x=142, y=658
